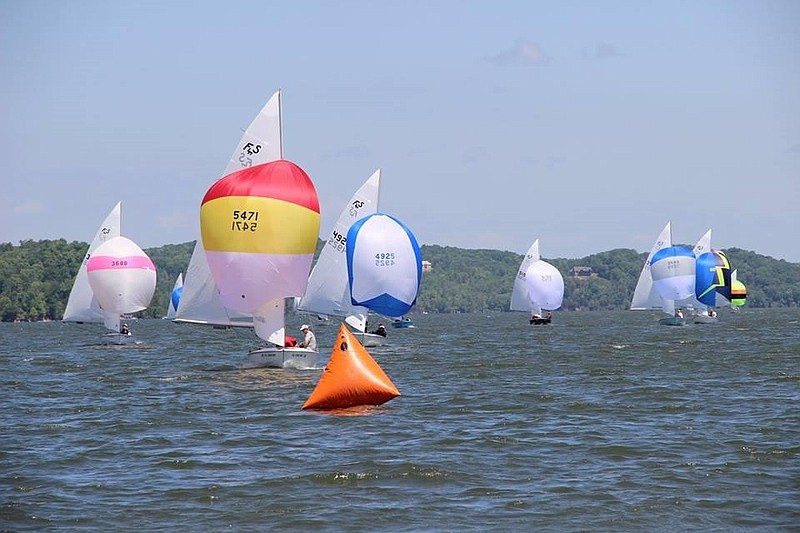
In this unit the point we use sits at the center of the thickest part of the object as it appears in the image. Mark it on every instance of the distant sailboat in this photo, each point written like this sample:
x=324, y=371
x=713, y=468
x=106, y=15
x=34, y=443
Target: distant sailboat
x=538, y=285
x=738, y=292
x=712, y=275
x=116, y=277
x=200, y=304
x=668, y=275
x=175, y=297
x=328, y=292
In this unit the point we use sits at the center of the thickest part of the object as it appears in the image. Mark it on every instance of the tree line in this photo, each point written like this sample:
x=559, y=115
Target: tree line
x=36, y=278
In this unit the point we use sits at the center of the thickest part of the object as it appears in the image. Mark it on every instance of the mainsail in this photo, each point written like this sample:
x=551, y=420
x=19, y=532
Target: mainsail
x=260, y=143
x=645, y=295
x=328, y=292
x=82, y=305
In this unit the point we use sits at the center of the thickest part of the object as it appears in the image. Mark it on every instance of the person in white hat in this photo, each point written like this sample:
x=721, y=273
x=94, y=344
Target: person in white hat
x=309, y=341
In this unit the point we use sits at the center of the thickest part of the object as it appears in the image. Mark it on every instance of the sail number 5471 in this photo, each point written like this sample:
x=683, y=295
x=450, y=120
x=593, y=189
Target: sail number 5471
x=244, y=220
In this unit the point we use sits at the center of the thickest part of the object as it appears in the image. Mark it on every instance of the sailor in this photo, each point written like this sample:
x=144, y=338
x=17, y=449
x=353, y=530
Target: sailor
x=678, y=313
x=309, y=341
x=380, y=330
x=125, y=330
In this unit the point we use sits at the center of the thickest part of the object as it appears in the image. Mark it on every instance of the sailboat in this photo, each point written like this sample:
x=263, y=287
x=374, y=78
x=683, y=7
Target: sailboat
x=116, y=277
x=712, y=276
x=738, y=292
x=259, y=228
x=261, y=142
x=668, y=275
x=175, y=297
x=538, y=285
x=328, y=292
x=384, y=265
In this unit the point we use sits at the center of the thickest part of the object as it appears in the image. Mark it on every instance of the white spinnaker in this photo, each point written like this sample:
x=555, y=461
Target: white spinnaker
x=545, y=286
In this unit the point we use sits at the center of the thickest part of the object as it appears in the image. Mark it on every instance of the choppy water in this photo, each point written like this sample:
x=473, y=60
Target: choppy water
x=599, y=422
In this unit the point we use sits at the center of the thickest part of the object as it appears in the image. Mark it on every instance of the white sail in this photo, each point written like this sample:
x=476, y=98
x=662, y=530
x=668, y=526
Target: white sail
x=82, y=305
x=703, y=245
x=268, y=322
x=261, y=142
x=328, y=292
x=200, y=299
x=519, y=294
x=645, y=296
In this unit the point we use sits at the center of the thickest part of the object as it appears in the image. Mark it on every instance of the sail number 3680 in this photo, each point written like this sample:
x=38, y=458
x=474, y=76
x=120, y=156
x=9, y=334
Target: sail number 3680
x=384, y=259
x=244, y=220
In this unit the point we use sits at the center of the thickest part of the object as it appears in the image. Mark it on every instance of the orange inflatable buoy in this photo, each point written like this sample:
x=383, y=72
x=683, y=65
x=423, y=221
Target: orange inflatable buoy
x=351, y=378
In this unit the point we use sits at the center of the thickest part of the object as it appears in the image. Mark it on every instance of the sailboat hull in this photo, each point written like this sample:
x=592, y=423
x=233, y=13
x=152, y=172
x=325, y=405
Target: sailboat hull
x=282, y=358
x=705, y=319
x=117, y=339
x=371, y=340
x=672, y=321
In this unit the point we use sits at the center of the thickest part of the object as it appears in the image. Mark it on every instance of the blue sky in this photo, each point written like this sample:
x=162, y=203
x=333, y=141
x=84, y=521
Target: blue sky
x=587, y=125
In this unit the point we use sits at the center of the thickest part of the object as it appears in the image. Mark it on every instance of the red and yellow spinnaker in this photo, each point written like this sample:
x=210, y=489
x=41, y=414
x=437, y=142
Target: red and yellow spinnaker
x=260, y=227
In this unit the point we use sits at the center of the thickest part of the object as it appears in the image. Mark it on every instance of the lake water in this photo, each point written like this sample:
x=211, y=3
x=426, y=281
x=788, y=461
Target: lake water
x=598, y=422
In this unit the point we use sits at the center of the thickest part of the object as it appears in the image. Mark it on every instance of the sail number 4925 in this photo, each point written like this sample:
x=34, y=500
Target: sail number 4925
x=384, y=259
x=244, y=220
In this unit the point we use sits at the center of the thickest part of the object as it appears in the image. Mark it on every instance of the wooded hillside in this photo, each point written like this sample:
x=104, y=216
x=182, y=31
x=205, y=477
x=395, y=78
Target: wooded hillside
x=36, y=278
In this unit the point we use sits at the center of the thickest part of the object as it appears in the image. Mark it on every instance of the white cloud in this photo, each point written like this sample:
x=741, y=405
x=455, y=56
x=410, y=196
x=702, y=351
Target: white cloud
x=523, y=52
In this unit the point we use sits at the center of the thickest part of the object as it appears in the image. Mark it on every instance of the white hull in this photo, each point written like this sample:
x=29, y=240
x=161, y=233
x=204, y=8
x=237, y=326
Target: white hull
x=117, y=339
x=371, y=340
x=672, y=321
x=705, y=319
x=282, y=358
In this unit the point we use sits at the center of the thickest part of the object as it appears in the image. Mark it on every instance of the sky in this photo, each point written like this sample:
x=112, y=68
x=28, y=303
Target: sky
x=586, y=125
